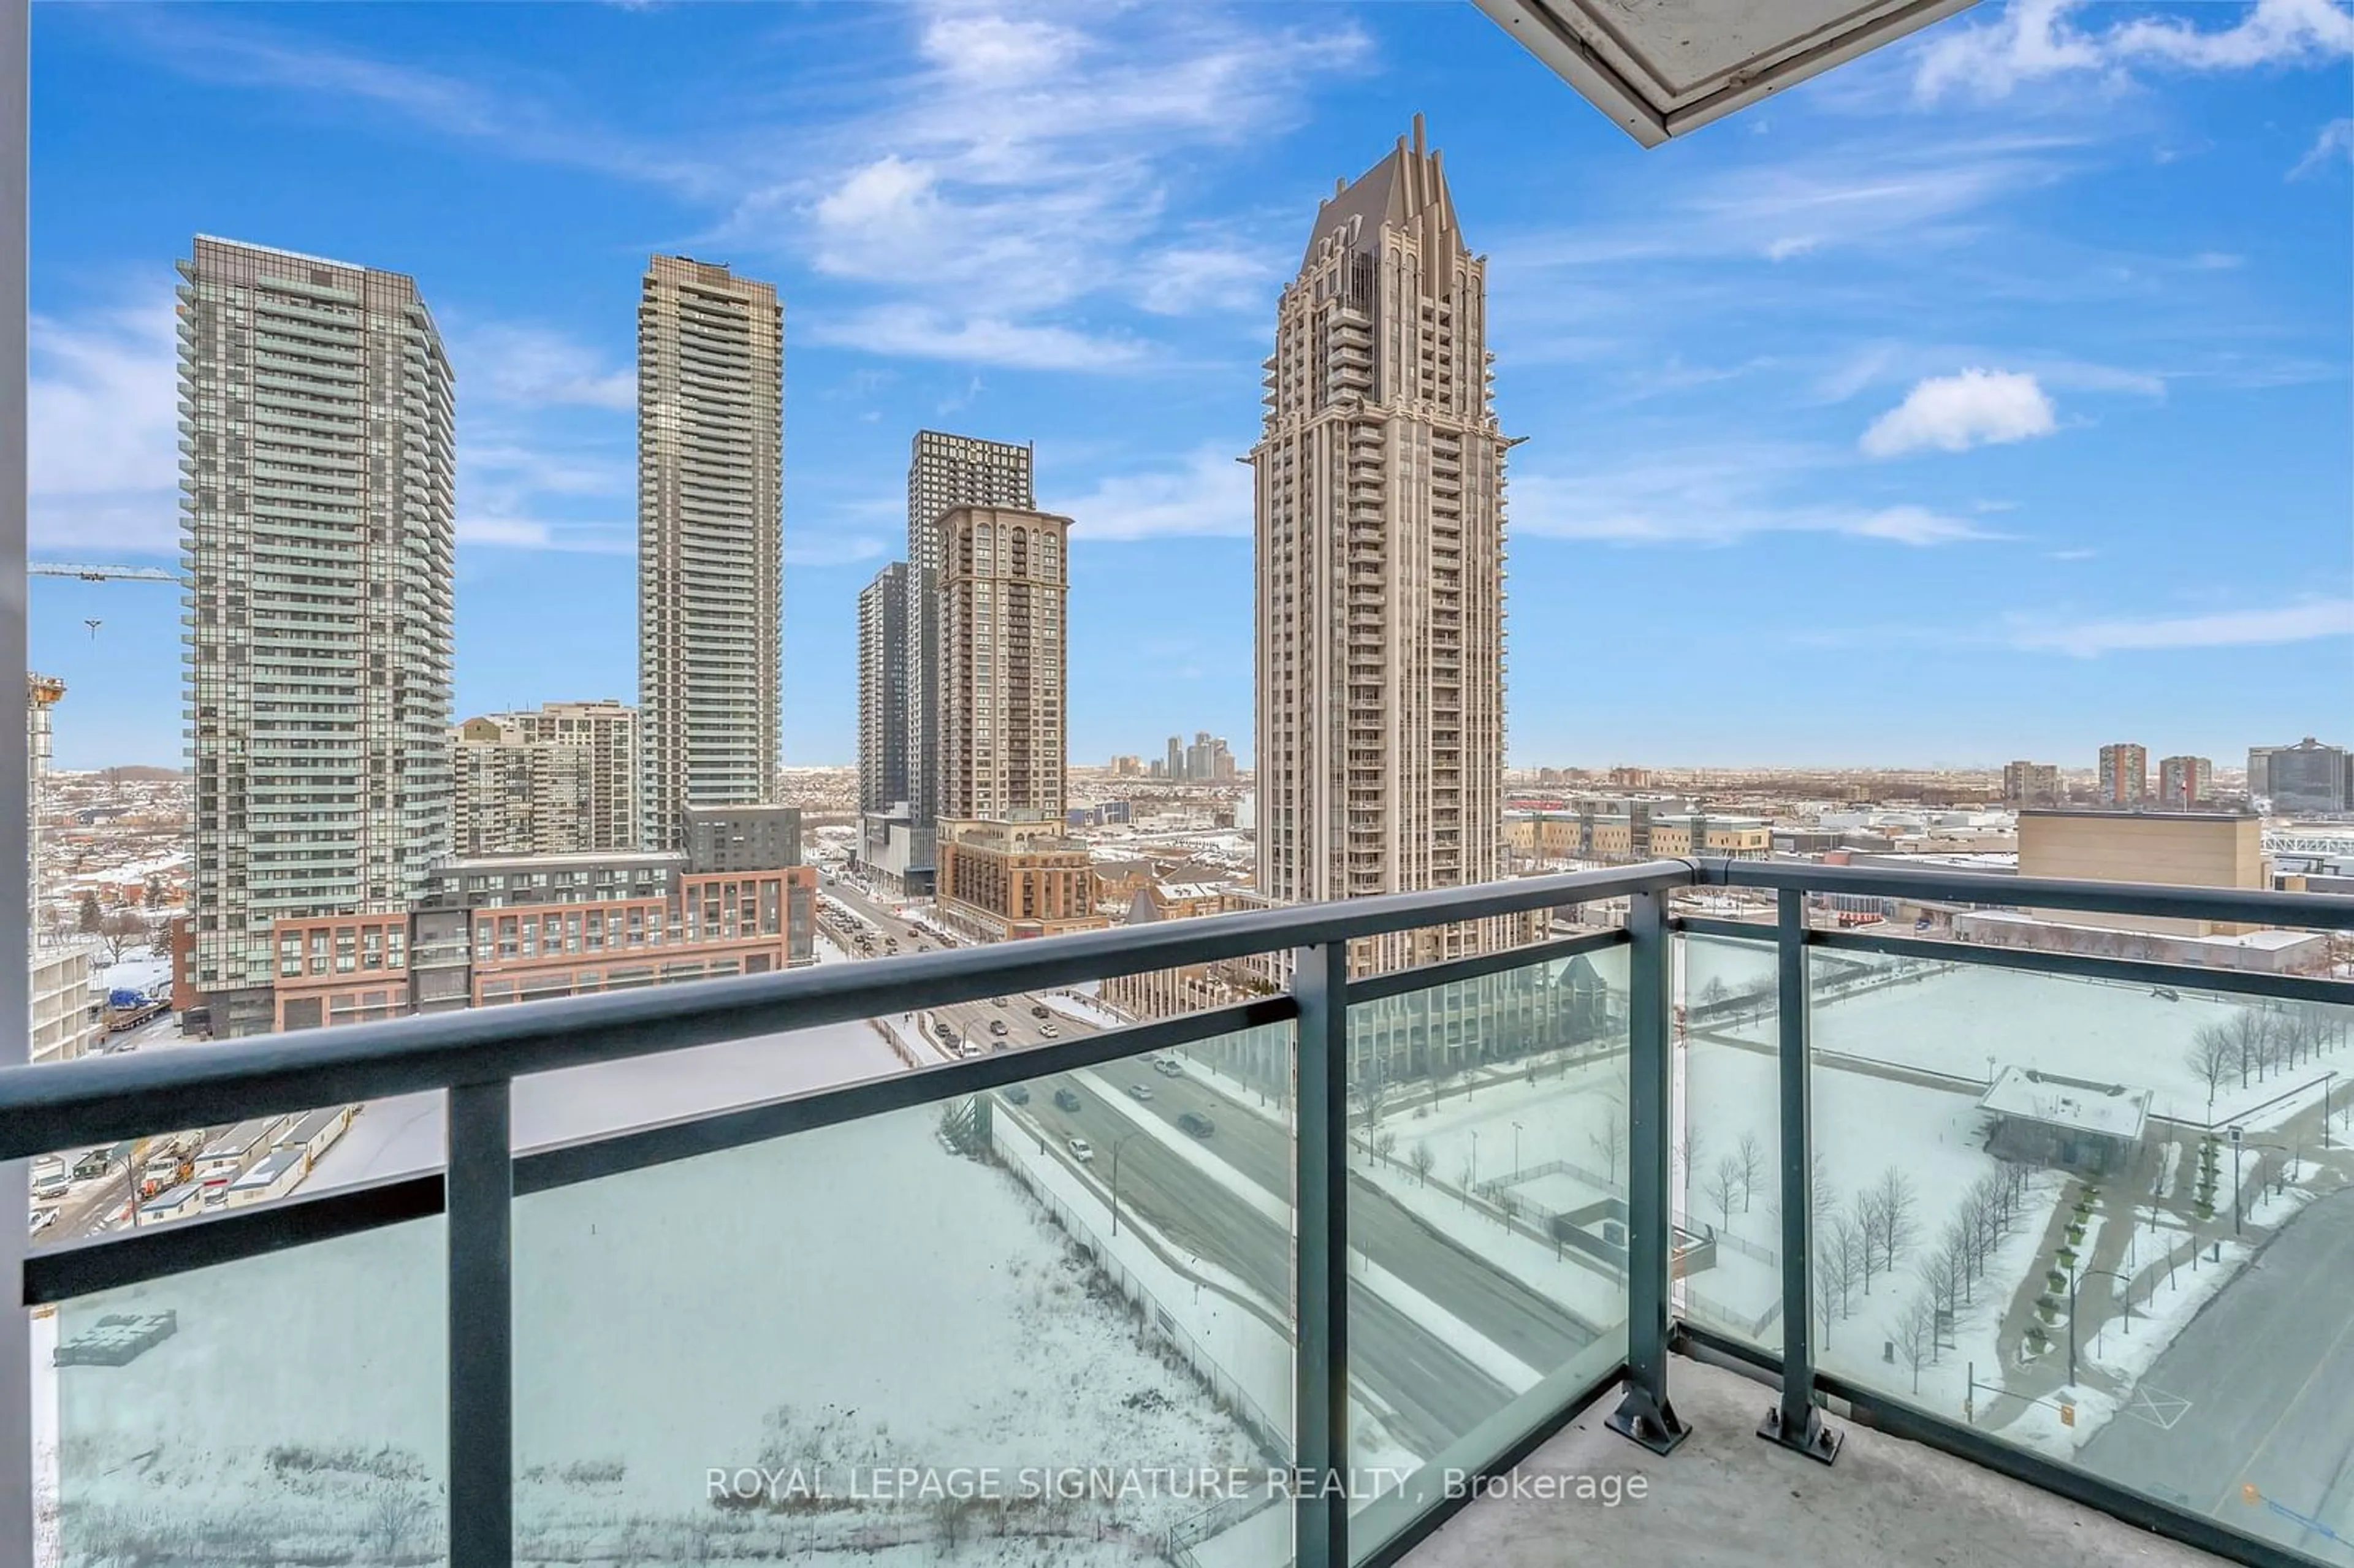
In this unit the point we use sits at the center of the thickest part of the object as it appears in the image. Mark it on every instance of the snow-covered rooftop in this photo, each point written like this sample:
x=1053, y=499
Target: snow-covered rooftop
x=2113, y=1110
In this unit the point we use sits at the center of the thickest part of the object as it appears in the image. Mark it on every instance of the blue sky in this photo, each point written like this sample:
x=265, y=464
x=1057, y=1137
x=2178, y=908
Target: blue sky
x=1987, y=399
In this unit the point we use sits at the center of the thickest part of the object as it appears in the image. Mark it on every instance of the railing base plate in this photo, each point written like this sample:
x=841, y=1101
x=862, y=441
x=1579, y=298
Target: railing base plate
x=1639, y=1418
x=1819, y=1441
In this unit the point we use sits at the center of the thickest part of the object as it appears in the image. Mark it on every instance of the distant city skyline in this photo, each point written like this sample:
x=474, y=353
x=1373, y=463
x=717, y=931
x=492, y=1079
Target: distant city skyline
x=1950, y=499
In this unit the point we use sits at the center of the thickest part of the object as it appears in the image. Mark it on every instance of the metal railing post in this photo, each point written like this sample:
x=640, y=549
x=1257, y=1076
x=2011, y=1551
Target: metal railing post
x=1644, y=1413
x=1319, y=982
x=480, y=1191
x=1794, y=1422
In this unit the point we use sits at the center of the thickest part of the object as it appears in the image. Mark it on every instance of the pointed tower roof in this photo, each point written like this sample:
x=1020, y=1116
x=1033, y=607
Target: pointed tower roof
x=1406, y=188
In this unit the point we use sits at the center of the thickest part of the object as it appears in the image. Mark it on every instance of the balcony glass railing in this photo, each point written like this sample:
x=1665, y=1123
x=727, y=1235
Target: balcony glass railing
x=583, y=1287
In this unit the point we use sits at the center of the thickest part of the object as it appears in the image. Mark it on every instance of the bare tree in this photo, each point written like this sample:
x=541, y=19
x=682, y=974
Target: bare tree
x=1752, y=1155
x=1722, y=1184
x=1915, y=1329
x=1841, y=1248
x=1894, y=1211
x=2210, y=1054
x=1867, y=1221
x=1611, y=1144
x=2247, y=1033
x=1421, y=1160
x=121, y=931
x=1688, y=1153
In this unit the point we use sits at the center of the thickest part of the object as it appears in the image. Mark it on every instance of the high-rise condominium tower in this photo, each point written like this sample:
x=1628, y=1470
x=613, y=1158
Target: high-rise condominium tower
x=944, y=472
x=318, y=502
x=561, y=778
x=1380, y=523
x=883, y=689
x=710, y=541
x=2124, y=774
x=1003, y=662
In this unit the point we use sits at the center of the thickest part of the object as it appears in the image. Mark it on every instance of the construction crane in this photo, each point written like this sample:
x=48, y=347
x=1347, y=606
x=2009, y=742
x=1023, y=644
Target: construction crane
x=102, y=574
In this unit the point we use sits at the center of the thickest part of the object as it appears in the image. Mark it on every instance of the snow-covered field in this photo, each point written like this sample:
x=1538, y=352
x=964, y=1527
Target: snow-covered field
x=852, y=1297
x=403, y=1135
x=1951, y=1021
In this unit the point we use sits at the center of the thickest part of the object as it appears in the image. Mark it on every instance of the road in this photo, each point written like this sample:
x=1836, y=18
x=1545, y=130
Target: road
x=1437, y=1392
x=2254, y=1392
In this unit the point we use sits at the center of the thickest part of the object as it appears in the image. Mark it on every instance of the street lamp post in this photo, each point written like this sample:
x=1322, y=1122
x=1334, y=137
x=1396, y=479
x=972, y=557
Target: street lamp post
x=2236, y=1203
x=1475, y=1160
x=1117, y=1145
x=1516, y=1151
x=2073, y=1281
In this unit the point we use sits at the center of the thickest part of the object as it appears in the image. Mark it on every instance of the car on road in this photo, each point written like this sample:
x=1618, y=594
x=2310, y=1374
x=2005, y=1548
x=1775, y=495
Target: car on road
x=997, y=1026
x=1139, y=1091
x=93, y=1163
x=945, y=1030
x=997, y=1001
x=1048, y=1031
x=1067, y=1099
x=1197, y=1124
x=43, y=1219
x=1039, y=1011
x=1168, y=1067
x=968, y=1047
x=1018, y=1093
x=1081, y=1149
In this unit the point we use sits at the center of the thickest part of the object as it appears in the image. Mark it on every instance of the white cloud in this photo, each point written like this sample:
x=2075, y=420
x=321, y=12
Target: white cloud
x=533, y=366
x=502, y=532
x=2334, y=145
x=1211, y=494
x=2304, y=621
x=919, y=331
x=1024, y=163
x=1954, y=413
x=1715, y=496
x=102, y=431
x=1185, y=279
x=836, y=550
x=2032, y=40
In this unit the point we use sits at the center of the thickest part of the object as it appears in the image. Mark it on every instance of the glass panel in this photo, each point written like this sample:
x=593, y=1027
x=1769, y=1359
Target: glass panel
x=2060, y=1185
x=1488, y=1126
x=930, y=1328
x=1725, y=1164
x=288, y=1408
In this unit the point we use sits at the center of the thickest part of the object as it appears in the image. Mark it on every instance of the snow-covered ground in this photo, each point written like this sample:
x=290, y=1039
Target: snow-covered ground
x=401, y=1136
x=737, y=1310
x=1950, y=1021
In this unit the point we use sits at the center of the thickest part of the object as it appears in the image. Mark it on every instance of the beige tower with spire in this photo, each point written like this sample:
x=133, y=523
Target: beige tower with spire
x=1380, y=539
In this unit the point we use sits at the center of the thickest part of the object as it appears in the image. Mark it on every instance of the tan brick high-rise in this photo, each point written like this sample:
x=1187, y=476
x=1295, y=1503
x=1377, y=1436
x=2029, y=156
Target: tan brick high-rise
x=1380, y=526
x=1004, y=662
x=710, y=541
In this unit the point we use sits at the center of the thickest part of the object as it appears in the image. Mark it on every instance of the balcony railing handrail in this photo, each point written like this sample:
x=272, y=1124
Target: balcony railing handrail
x=97, y=1099
x=2314, y=911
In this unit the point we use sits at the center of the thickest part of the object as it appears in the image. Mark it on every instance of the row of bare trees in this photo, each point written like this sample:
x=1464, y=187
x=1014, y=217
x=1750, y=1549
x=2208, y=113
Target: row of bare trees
x=1881, y=1230
x=2257, y=1041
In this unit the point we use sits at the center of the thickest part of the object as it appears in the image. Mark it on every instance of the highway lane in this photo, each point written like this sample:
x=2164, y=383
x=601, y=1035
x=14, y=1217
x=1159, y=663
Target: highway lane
x=2267, y=1370
x=1538, y=1330
x=1436, y=1393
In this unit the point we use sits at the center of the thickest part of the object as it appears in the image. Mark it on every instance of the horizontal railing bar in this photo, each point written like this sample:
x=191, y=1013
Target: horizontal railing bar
x=1879, y=1413
x=1429, y=976
x=1869, y=1407
x=1718, y=925
x=2094, y=965
x=109, y=1263
x=2256, y=907
x=562, y=1165
x=1405, y=1519
x=94, y=1100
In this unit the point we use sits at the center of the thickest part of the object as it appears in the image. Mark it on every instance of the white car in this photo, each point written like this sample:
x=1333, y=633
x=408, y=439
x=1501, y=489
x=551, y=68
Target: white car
x=968, y=1048
x=1082, y=1150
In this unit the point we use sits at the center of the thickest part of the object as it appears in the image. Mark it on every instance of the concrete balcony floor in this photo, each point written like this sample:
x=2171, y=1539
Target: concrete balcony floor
x=1727, y=1499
